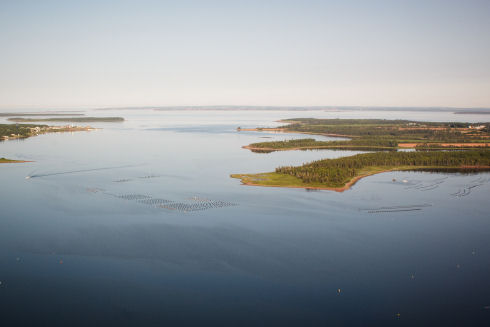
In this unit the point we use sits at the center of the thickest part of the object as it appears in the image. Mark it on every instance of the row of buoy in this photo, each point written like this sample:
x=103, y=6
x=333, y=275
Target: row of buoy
x=154, y=202
x=395, y=210
x=149, y=176
x=124, y=180
x=198, y=204
x=133, y=196
x=203, y=205
x=400, y=208
x=94, y=190
x=198, y=199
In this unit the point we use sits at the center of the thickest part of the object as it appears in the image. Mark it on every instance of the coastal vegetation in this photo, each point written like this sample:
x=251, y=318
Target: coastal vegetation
x=339, y=174
x=5, y=160
x=367, y=144
x=402, y=130
x=374, y=135
x=69, y=119
x=378, y=135
x=19, y=131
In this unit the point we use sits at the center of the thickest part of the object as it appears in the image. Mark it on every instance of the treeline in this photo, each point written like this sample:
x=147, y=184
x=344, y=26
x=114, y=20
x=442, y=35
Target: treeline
x=377, y=122
x=422, y=146
x=399, y=129
x=337, y=172
x=374, y=143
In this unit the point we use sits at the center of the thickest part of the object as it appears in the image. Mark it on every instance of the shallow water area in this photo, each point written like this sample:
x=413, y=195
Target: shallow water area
x=139, y=223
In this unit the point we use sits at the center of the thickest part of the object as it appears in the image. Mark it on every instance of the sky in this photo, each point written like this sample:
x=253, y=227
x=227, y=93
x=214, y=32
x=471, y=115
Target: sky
x=83, y=54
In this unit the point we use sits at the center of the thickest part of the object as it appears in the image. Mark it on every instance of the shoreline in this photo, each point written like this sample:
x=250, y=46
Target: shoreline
x=7, y=161
x=334, y=147
x=341, y=189
x=36, y=131
x=348, y=185
x=444, y=145
x=285, y=131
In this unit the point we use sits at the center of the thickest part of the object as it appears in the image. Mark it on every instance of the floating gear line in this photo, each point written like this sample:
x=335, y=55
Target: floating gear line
x=80, y=171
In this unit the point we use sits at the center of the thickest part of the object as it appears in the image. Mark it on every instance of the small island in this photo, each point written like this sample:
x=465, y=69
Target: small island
x=468, y=142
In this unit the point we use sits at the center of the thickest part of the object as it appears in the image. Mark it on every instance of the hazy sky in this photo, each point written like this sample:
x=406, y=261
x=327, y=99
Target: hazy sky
x=129, y=53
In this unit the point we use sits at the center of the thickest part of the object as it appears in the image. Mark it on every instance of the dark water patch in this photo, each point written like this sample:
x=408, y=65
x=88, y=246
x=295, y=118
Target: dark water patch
x=214, y=129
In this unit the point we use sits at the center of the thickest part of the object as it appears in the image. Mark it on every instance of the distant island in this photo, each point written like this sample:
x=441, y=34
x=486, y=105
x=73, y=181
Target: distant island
x=35, y=114
x=69, y=120
x=480, y=112
x=386, y=136
x=297, y=108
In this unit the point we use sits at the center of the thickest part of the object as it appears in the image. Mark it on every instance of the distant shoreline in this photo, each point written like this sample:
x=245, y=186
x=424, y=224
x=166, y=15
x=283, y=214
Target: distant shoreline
x=69, y=120
x=299, y=108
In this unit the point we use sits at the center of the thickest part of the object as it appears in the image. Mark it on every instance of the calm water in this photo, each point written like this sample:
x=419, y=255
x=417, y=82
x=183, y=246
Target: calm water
x=84, y=241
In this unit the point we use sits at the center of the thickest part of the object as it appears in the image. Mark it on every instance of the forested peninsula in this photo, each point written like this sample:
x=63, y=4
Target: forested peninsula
x=383, y=136
x=21, y=131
